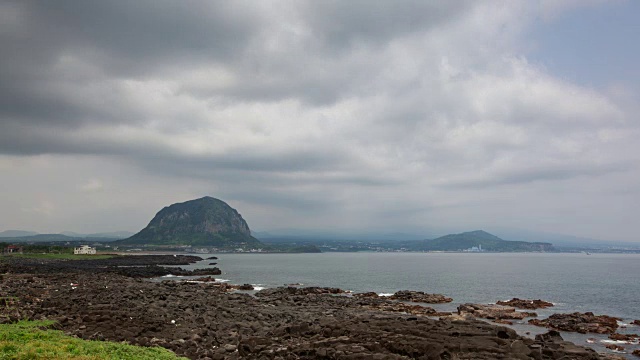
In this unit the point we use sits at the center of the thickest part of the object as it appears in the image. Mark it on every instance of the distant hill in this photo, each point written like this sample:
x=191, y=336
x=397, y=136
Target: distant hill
x=489, y=242
x=560, y=241
x=201, y=222
x=41, y=238
x=16, y=233
x=111, y=235
x=103, y=235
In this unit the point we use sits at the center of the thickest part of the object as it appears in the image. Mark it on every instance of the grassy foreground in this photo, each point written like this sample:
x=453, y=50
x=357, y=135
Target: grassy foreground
x=31, y=340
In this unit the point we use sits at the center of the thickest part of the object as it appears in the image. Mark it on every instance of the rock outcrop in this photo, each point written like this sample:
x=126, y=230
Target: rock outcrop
x=580, y=322
x=526, y=304
x=201, y=222
x=421, y=297
x=493, y=312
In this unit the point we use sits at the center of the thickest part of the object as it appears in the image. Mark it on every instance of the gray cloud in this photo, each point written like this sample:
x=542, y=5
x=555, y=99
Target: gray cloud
x=318, y=113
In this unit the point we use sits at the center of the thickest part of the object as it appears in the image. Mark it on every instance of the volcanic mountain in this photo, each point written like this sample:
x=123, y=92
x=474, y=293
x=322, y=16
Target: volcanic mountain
x=201, y=222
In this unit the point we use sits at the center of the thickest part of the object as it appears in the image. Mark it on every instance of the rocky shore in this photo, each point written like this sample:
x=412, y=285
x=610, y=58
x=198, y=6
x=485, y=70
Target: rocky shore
x=110, y=300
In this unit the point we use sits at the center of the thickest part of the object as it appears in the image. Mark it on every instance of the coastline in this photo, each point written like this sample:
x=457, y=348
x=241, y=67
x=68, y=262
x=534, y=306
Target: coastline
x=198, y=320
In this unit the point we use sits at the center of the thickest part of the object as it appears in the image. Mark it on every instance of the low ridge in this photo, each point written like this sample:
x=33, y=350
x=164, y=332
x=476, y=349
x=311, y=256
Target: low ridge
x=480, y=238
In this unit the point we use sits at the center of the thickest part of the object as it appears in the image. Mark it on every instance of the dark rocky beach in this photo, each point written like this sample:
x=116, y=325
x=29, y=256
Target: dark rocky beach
x=113, y=300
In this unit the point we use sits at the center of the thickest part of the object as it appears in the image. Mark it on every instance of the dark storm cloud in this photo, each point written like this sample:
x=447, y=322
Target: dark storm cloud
x=118, y=39
x=132, y=37
x=340, y=24
x=334, y=109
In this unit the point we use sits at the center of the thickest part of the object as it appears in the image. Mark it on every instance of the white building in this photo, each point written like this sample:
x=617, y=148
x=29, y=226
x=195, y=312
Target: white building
x=84, y=249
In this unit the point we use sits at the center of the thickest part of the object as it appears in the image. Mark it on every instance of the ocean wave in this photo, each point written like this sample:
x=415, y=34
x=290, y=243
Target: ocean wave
x=168, y=276
x=385, y=294
x=619, y=342
x=258, y=288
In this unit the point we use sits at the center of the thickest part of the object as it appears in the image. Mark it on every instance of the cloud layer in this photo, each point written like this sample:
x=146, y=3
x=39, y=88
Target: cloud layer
x=359, y=114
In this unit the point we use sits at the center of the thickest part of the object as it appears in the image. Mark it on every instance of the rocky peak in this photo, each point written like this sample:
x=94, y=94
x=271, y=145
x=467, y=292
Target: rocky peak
x=203, y=222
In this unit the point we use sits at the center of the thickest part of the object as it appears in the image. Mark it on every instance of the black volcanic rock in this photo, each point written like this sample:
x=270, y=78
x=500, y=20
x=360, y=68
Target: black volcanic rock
x=201, y=222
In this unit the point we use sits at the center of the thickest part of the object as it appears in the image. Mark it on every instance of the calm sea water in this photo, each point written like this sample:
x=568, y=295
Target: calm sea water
x=600, y=283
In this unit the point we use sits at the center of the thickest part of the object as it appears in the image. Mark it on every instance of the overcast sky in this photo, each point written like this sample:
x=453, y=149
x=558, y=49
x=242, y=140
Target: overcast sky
x=349, y=115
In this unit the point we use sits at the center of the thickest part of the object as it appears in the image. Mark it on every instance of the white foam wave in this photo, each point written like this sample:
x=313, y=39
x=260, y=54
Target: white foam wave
x=385, y=294
x=614, y=341
x=222, y=280
x=167, y=276
x=258, y=288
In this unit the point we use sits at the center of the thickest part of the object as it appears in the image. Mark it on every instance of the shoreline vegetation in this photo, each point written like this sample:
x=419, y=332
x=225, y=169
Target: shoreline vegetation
x=111, y=301
x=38, y=340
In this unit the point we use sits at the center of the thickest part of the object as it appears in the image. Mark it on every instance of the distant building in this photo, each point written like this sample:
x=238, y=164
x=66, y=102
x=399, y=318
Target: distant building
x=84, y=249
x=13, y=249
x=474, y=249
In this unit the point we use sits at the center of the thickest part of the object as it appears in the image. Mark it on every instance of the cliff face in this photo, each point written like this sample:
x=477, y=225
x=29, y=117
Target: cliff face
x=201, y=222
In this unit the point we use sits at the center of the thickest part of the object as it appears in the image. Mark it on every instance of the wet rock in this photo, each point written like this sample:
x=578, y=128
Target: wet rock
x=493, y=311
x=636, y=353
x=526, y=304
x=370, y=294
x=245, y=287
x=624, y=337
x=579, y=322
x=552, y=346
x=207, y=271
x=615, y=347
x=293, y=291
x=419, y=296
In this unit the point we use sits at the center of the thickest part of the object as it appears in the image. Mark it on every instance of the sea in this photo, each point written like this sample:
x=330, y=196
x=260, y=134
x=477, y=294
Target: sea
x=600, y=283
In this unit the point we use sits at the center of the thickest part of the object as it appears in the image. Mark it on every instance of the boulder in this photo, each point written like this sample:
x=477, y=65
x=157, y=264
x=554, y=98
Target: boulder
x=419, y=296
x=615, y=347
x=624, y=337
x=493, y=311
x=551, y=345
x=245, y=287
x=370, y=294
x=580, y=322
x=526, y=304
x=206, y=271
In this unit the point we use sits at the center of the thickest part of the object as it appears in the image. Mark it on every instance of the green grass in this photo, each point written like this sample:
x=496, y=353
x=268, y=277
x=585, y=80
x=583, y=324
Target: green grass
x=63, y=256
x=31, y=340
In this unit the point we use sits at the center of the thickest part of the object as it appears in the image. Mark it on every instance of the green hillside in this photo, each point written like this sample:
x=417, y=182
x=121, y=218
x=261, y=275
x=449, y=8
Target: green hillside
x=201, y=222
x=489, y=242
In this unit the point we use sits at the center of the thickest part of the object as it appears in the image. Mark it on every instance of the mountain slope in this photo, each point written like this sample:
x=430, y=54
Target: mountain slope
x=16, y=233
x=489, y=242
x=201, y=222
